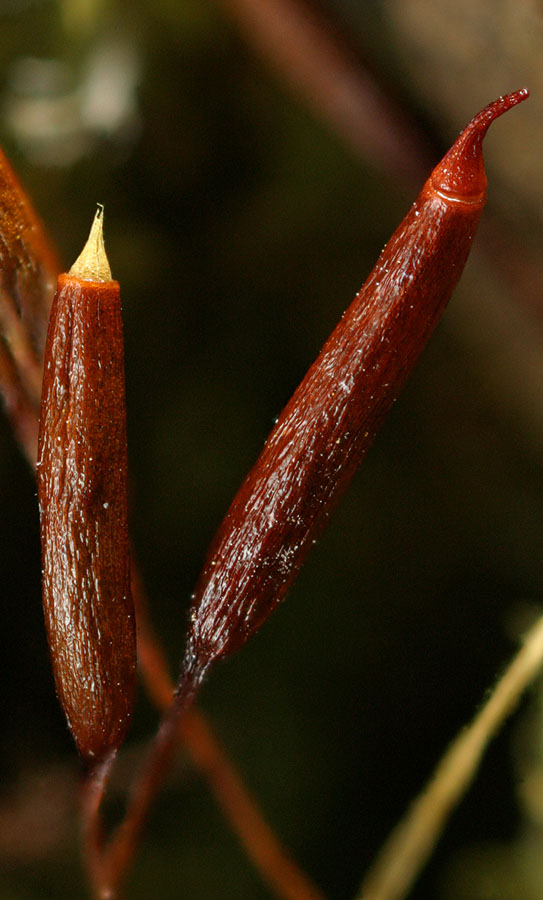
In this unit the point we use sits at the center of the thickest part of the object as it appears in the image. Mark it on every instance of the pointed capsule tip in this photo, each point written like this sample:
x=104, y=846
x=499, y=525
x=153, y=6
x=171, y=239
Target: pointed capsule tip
x=92, y=263
x=497, y=108
x=461, y=173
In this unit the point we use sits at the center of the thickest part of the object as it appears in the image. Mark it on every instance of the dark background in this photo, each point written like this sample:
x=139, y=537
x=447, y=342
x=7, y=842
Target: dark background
x=240, y=227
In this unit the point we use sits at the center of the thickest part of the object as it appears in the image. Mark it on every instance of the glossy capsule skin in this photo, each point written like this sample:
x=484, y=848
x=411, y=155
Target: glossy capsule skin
x=82, y=491
x=330, y=422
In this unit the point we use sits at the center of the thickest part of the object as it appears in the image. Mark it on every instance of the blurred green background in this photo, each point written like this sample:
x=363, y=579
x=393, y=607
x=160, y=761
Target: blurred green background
x=240, y=227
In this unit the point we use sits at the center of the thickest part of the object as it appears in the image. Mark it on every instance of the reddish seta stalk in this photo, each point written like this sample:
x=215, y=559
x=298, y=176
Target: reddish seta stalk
x=329, y=424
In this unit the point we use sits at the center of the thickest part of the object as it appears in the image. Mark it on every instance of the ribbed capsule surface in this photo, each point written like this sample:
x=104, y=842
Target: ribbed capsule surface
x=82, y=490
x=325, y=430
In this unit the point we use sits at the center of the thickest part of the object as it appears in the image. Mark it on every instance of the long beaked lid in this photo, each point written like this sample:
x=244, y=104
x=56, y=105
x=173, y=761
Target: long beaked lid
x=461, y=173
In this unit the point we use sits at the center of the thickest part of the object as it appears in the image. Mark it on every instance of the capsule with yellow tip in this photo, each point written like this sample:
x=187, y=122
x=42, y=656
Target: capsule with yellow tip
x=82, y=491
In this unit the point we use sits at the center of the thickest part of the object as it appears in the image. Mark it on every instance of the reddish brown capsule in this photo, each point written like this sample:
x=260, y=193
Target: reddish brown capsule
x=29, y=264
x=330, y=422
x=82, y=490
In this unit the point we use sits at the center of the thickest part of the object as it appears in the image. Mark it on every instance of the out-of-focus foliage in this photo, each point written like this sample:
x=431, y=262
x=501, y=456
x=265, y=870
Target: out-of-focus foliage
x=240, y=229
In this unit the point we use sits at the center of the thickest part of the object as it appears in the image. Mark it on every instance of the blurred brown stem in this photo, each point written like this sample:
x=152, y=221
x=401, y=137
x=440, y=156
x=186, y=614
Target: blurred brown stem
x=316, y=61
